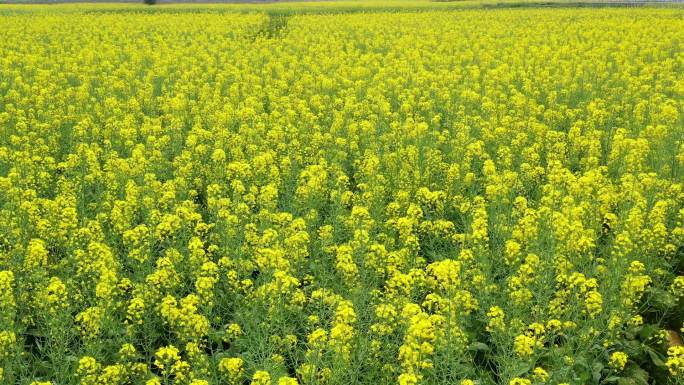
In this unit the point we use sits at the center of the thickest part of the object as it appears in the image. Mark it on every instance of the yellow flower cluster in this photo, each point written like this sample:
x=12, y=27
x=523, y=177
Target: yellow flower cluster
x=232, y=369
x=533, y=338
x=618, y=360
x=496, y=319
x=416, y=352
x=675, y=361
x=183, y=317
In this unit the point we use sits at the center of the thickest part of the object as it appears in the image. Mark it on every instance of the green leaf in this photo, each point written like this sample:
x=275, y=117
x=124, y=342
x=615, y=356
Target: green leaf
x=655, y=358
x=479, y=346
x=596, y=370
x=638, y=375
x=648, y=331
x=626, y=381
x=72, y=358
x=523, y=370
x=633, y=348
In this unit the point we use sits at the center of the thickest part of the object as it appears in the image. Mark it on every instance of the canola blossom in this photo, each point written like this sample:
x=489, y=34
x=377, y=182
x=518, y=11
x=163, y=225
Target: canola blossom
x=223, y=195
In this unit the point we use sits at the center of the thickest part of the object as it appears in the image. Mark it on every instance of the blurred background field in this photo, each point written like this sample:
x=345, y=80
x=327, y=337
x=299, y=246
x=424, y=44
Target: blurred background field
x=360, y=5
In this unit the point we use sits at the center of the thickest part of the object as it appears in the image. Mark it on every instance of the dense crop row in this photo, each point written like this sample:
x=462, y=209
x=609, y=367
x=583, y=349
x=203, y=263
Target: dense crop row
x=462, y=197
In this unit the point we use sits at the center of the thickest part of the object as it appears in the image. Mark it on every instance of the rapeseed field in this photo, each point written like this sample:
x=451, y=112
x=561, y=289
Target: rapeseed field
x=200, y=195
